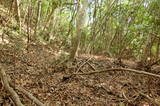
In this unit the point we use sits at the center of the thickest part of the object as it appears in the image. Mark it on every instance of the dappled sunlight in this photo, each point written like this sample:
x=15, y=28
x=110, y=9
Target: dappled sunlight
x=79, y=53
x=4, y=41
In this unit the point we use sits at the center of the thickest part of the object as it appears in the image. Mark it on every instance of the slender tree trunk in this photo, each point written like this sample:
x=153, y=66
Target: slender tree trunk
x=157, y=49
x=146, y=50
x=29, y=22
x=38, y=16
x=18, y=15
x=79, y=25
x=49, y=17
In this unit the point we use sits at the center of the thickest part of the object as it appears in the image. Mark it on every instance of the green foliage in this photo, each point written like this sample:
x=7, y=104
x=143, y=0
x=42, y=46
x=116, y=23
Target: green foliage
x=111, y=26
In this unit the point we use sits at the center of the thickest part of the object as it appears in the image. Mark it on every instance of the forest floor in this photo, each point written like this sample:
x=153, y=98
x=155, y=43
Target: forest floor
x=47, y=76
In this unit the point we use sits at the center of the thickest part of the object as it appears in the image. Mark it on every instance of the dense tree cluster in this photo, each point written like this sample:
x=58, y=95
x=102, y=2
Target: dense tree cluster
x=116, y=28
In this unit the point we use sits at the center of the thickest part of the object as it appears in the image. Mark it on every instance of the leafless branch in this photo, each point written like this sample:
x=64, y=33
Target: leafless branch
x=121, y=69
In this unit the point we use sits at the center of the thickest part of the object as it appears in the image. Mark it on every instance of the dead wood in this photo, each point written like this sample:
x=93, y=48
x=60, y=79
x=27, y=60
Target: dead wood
x=9, y=89
x=156, y=62
x=151, y=99
x=121, y=69
x=91, y=66
x=83, y=64
x=30, y=96
x=14, y=95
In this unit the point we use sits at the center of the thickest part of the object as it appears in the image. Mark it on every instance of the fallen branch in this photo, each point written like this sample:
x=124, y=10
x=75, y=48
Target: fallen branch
x=9, y=89
x=91, y=66
x=151, y=99
x=14, y=95
x=30, y=96
x=156, y=62
x=120, y=69
x=83, y=64
x=129, y=99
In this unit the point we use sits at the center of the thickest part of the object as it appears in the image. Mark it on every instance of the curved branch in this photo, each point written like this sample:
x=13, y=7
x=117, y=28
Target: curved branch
x=121, y=69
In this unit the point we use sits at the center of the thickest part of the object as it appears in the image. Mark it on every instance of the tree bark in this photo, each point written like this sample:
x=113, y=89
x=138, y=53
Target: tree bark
x=80, y=21
x=38, y=16
x=157, y=49
x=18, y=14
x=146, y=49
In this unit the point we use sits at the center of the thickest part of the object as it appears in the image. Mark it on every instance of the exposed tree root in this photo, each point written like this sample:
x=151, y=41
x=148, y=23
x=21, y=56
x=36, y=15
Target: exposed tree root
x=9, y=89
x=14, y=95
x=30, y=96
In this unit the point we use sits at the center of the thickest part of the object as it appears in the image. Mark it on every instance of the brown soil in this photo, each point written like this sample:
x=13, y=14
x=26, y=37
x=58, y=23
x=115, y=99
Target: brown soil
x=44, y=75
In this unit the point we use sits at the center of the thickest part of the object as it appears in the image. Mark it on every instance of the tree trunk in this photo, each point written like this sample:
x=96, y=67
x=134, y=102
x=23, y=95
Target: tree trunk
x=18, y=15
x=13, y=4
x=157, y=49
x=38, y=16
x=80, y=21
x=147, y=50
